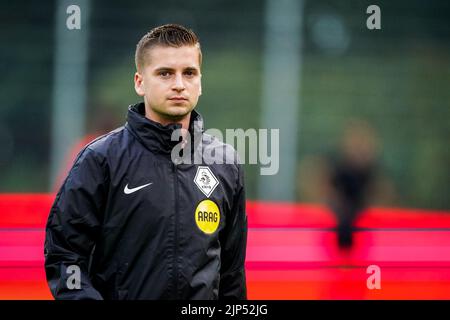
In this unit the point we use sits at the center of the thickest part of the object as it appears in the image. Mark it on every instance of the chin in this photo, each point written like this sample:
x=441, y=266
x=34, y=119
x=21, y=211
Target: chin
x=179, y=113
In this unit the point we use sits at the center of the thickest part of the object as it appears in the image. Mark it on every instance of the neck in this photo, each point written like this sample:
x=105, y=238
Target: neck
x=184, y=120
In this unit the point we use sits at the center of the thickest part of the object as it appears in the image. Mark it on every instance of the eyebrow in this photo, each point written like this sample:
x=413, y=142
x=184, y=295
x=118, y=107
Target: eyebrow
x=192, y=69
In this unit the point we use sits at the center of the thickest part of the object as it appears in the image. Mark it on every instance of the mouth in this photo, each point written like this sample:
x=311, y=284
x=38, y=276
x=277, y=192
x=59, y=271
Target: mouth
x=178, y=98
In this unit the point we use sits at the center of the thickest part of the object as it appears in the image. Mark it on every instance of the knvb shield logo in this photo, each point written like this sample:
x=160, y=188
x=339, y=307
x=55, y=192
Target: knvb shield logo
x=205, y=180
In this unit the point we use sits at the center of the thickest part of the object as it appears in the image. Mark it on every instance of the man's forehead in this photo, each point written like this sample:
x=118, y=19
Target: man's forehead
x=173, y=57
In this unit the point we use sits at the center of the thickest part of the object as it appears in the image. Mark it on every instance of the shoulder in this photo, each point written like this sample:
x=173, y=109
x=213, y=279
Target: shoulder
x=99, y=148
x=103, y=143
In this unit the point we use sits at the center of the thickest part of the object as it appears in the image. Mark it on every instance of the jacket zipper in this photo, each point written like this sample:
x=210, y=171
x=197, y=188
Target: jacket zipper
x=175, y=257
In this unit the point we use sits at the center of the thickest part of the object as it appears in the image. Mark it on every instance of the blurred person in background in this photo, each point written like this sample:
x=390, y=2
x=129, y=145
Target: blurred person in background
x=348, y=180
x=355, y=178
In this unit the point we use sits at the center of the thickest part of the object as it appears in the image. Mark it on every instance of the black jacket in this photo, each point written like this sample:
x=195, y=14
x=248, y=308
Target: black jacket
x=139, y=226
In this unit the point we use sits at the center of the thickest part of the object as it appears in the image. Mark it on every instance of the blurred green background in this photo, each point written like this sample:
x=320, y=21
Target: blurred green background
x=397, y=79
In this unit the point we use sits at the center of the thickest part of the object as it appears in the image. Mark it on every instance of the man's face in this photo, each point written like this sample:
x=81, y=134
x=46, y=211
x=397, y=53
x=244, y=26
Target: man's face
x=170, y=82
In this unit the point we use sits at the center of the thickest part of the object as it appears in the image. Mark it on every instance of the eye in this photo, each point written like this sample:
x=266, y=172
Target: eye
x=164, y=74
x=189, y=73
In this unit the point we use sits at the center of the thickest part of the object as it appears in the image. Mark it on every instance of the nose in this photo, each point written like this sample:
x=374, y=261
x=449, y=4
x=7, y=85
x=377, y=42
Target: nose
x=178, y=84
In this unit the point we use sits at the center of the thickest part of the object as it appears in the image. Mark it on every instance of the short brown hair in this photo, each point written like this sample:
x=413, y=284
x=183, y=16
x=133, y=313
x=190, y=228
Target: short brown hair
x=171, y=35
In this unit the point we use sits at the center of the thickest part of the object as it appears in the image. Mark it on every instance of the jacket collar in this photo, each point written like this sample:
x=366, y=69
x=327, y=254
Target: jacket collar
x=155, y=136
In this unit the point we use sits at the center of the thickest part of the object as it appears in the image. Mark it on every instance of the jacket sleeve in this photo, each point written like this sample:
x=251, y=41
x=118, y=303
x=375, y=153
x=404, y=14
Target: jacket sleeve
x=72, y=228
x=234, y=243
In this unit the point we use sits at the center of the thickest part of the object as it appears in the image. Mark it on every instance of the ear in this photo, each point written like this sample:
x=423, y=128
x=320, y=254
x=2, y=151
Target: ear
x=139, y=84
x=200, y=91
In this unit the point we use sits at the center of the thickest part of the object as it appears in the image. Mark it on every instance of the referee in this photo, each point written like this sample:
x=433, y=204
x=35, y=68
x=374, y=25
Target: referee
x=131, y=221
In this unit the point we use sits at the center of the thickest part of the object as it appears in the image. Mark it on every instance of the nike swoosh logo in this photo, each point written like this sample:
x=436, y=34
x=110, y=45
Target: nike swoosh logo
x=128, y=191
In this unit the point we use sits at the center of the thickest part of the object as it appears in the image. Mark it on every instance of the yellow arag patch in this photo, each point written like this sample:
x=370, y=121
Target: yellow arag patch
x=207, y=216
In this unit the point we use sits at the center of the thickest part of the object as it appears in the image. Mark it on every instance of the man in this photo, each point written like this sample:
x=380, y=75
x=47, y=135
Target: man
x=136, y=222
x=353, y=175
